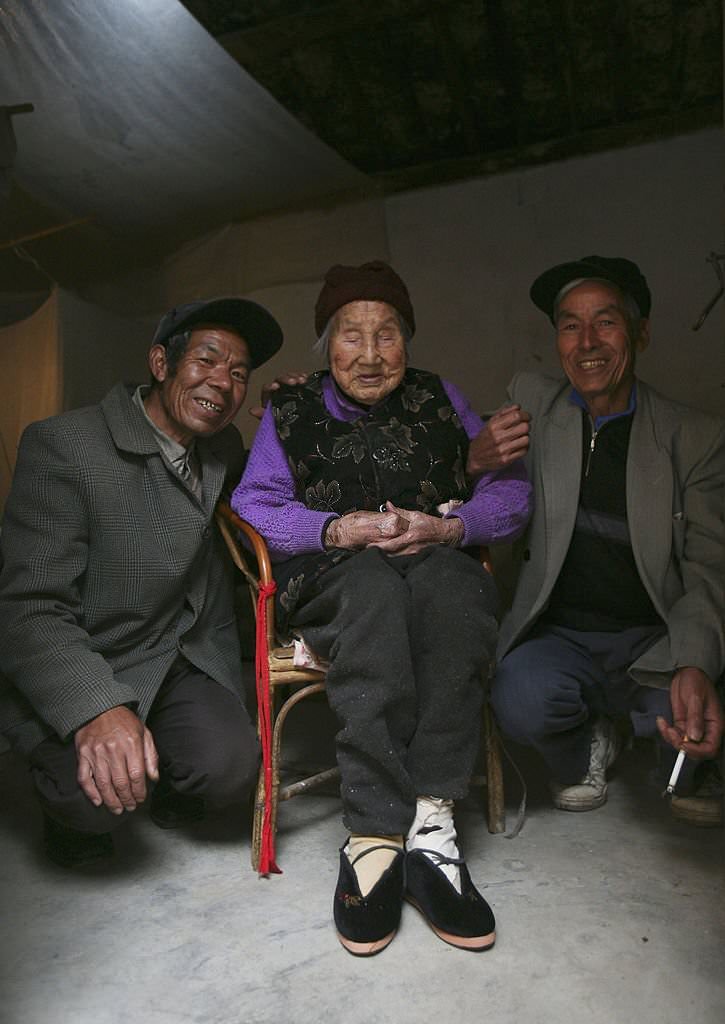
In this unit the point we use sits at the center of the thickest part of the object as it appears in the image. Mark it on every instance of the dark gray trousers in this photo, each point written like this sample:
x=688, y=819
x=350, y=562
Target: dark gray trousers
x=409, y=641
x=206, y=742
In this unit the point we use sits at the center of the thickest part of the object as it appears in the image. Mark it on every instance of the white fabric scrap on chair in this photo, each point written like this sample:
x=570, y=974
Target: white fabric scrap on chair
x=305, y=658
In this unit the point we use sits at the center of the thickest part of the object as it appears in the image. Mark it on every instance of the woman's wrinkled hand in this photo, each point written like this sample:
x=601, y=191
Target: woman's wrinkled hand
x=423, y=530
x=358, y=530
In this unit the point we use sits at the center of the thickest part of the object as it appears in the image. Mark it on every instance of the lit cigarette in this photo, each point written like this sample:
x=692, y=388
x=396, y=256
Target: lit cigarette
x=676, y=772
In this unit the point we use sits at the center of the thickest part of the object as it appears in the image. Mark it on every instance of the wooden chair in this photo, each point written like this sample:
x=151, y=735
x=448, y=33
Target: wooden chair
x=275, y=703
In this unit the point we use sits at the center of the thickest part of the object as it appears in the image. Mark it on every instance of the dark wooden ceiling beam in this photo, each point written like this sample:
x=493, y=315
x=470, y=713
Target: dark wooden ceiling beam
x=507, y=68
x=392, y=86
x=619, y=136
x=280, y=34
x=456, y=80
x=564, y=47
x=678, y=40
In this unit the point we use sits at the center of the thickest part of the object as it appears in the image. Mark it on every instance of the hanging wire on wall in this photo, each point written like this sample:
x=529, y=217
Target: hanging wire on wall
x=716, y=260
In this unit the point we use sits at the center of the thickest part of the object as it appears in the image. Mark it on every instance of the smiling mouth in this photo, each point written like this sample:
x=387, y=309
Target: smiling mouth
x=206, y=404
x=592, y=364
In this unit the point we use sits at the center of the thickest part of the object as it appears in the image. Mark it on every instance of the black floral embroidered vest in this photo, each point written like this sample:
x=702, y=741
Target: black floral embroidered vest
x=410, y=449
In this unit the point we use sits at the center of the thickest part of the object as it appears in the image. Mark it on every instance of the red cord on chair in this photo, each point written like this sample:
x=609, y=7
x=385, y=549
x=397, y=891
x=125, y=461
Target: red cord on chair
x=267, y=862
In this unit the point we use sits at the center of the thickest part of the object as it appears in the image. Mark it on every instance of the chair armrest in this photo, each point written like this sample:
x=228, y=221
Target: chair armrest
x=259, y=546
x=230, y=526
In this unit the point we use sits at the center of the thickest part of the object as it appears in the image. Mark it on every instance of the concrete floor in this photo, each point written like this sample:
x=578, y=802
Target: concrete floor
x=612, y=917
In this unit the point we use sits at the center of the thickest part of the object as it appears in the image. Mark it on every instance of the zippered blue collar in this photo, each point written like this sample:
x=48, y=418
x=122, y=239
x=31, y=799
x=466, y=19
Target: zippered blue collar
x=576, y=399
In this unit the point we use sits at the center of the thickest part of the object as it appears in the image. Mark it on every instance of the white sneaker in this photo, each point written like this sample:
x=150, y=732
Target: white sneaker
x=434, y=832
x=591, y=791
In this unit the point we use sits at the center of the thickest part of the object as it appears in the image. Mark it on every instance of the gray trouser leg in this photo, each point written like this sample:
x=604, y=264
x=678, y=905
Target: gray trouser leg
x=409, y=641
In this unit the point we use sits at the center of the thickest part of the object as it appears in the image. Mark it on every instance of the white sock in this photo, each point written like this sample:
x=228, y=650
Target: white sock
x=433, y=829
x=370, y=868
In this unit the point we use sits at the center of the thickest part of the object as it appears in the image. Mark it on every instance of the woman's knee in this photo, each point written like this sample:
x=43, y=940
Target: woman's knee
x=363, y=595
x=451, y=577
x=369, y=573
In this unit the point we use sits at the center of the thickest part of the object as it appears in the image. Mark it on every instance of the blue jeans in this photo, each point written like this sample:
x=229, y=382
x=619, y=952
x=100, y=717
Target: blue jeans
x=548, y=690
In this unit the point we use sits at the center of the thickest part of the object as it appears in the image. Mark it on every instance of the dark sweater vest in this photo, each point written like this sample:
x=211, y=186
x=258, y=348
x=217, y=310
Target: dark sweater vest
x=599, y=588
x=409, y=449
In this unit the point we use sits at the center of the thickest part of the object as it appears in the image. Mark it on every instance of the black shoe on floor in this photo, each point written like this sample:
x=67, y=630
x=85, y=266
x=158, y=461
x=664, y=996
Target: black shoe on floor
x=367, y=924
x=69, y=848
x=169, y=809
x=462, y=919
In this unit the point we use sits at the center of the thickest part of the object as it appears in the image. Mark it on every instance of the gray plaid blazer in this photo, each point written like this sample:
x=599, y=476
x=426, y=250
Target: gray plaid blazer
x=675, y=513
x=110, y=568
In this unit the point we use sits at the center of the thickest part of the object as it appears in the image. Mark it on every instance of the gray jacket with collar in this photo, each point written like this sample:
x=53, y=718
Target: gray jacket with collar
x=675, y=511
x=110, y=568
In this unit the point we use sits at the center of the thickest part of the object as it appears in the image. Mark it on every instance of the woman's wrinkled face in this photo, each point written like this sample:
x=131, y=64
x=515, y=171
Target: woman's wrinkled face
x=367, y=351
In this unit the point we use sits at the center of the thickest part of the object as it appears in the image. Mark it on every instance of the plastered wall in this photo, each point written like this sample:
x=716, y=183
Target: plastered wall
x=470, y=251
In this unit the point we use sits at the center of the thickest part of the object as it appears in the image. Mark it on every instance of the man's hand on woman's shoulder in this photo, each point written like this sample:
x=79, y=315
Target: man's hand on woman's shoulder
x=288, y=379
x=504, y=439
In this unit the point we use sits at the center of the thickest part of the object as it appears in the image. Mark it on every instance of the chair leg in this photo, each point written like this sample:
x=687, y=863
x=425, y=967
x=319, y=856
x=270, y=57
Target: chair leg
x=260, y=800
x=494, y=774
x=258, y=820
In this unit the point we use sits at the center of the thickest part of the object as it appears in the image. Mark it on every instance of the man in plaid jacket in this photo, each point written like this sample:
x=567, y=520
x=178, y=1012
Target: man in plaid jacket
x=118, y=643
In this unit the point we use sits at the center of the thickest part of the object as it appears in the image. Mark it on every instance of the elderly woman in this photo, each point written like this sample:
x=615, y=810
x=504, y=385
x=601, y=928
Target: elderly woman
x=356, y=480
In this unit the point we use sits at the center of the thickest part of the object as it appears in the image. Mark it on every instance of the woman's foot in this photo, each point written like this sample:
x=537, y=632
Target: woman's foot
x=367, y=902
x=437, y=881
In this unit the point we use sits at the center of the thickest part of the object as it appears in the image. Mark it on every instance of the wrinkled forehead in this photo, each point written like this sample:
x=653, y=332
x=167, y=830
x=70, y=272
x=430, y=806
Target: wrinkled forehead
x=606, y=293
x=371, y=311
x=222, y=340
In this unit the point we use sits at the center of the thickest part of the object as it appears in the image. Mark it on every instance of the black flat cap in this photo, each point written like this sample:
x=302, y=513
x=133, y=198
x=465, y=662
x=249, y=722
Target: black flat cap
x=623, y=273
x=248, y=319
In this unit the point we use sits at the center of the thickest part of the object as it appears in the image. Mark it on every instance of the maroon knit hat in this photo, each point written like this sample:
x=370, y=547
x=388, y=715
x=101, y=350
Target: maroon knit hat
x=376, y=281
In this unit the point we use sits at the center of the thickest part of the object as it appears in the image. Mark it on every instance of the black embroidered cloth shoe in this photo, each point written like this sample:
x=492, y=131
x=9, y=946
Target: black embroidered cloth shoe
x=169, y=809
x=69, y=848
x=367, y=924
x=463, y=919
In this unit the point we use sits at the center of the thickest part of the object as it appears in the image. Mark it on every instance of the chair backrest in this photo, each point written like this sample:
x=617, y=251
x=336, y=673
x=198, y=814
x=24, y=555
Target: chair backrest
x=230, y=527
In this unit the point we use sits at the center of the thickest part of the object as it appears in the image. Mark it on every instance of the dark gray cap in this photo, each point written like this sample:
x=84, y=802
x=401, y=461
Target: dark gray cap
x=623, y=273
x=248, y=319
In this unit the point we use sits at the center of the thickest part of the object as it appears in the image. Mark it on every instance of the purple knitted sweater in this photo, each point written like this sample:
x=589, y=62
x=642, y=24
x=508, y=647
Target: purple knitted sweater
x=497, y=511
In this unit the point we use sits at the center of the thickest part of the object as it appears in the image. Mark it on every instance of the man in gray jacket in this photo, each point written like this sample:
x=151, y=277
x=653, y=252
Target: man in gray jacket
x=619, y=603
x=118, y=643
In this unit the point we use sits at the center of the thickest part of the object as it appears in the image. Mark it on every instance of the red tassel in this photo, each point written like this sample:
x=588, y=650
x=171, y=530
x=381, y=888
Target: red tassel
x=267, y=863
